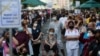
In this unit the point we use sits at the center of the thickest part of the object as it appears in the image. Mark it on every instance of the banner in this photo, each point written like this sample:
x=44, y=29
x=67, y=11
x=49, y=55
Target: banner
x=10, y=13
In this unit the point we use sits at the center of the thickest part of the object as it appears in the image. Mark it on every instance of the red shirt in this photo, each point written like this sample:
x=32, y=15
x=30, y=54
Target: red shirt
x=86, y=43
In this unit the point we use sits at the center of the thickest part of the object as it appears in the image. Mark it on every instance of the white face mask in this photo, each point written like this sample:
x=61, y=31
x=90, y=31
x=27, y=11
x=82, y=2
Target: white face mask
x=20, y=29
x=54, y=18
x=51, y=33
x=88, y=34
x=30, y=13
x=35, y=24
x=97, y=21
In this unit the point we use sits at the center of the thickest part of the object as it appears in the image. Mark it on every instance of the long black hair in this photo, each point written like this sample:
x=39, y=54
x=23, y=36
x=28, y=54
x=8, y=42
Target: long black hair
x=5, y=37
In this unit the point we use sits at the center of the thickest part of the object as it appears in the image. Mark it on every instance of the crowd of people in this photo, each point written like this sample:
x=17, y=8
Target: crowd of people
x=69, y=33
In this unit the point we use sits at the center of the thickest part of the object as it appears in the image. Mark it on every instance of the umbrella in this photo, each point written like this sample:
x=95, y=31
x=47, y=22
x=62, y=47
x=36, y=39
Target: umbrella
x=33, y=2
x=90, y=4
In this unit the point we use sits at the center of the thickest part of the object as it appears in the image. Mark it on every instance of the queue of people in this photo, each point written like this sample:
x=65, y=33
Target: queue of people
x=68, y=34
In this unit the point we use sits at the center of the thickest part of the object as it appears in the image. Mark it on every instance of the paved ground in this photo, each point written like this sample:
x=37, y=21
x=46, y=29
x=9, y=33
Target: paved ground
x=44, y=30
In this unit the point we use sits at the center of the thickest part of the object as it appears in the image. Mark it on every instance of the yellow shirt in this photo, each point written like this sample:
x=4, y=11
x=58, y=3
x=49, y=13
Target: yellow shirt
x=87, y=20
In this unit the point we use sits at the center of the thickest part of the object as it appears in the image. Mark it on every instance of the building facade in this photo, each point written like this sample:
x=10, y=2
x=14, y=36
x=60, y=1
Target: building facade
x=66, y=4
x=60, y=3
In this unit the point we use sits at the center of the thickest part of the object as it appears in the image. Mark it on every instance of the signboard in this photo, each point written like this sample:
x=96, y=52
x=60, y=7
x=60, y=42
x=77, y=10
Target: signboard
x=77, y=4
x=10, y=13
x=50, y=4
x=77, y=11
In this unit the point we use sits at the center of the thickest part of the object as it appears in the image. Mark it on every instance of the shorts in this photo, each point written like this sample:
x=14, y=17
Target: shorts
x=47, y=48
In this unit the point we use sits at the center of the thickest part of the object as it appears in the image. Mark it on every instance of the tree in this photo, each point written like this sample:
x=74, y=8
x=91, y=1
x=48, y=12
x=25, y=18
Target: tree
x=22, y=0
x=24, y=5
x=82, y=1
x=98, y=1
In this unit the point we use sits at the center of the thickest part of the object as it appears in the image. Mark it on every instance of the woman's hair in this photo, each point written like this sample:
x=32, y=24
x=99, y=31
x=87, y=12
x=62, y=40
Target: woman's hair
x=93, y=19
x=51, y=29
x=70, y=18
x=34, y=20
x=23, y=24
x=93, y=31
x=3, y=35
x=97, y=31
x=71, y=22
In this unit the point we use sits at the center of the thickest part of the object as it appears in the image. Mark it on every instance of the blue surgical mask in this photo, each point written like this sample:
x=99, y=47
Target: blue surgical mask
x=20, y=29
x=88, y=34
x=54, y=18
x=97, y=21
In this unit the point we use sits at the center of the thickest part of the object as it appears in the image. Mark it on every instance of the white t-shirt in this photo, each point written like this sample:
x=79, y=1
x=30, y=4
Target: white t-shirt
x=63, y=20
x=72, y=44
x=30, y=30
x=98, y=27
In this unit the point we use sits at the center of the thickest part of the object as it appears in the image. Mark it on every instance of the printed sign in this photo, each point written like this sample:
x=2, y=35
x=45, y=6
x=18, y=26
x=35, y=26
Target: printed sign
x=10, y=13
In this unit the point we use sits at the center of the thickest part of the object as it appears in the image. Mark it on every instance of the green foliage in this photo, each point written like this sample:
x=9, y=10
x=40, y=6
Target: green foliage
x=98, y=1
x=82, y=1
x=22, y=0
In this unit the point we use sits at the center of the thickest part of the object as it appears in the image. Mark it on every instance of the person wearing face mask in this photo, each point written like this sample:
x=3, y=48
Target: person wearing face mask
x=36, y=38
x=23, y=35
x=94, y=47
x=84, y=35
x=86, y=42
x=58, y=28
x=91, y=25
x=72, y=40
x=51, y=42
x=54, y=18
x=98, y=24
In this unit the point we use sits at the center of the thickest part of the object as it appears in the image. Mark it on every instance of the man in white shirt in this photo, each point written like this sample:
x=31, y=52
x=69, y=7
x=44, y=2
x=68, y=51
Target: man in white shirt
x=62, y=20
x=72, y=40
x=57, y=27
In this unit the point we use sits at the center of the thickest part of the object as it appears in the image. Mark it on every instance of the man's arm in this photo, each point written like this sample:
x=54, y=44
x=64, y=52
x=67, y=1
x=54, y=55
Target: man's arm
x=72, y=38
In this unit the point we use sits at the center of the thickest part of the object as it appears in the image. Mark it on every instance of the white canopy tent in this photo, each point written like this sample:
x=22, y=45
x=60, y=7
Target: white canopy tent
x=38, y=7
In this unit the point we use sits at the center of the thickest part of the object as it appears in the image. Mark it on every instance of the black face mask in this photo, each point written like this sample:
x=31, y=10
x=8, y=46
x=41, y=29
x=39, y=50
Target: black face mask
x=71, y=27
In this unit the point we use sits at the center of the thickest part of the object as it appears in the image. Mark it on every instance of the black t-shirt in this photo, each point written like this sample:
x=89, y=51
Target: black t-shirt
x=35, y=33
x=96, y=51
x=95, y=48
